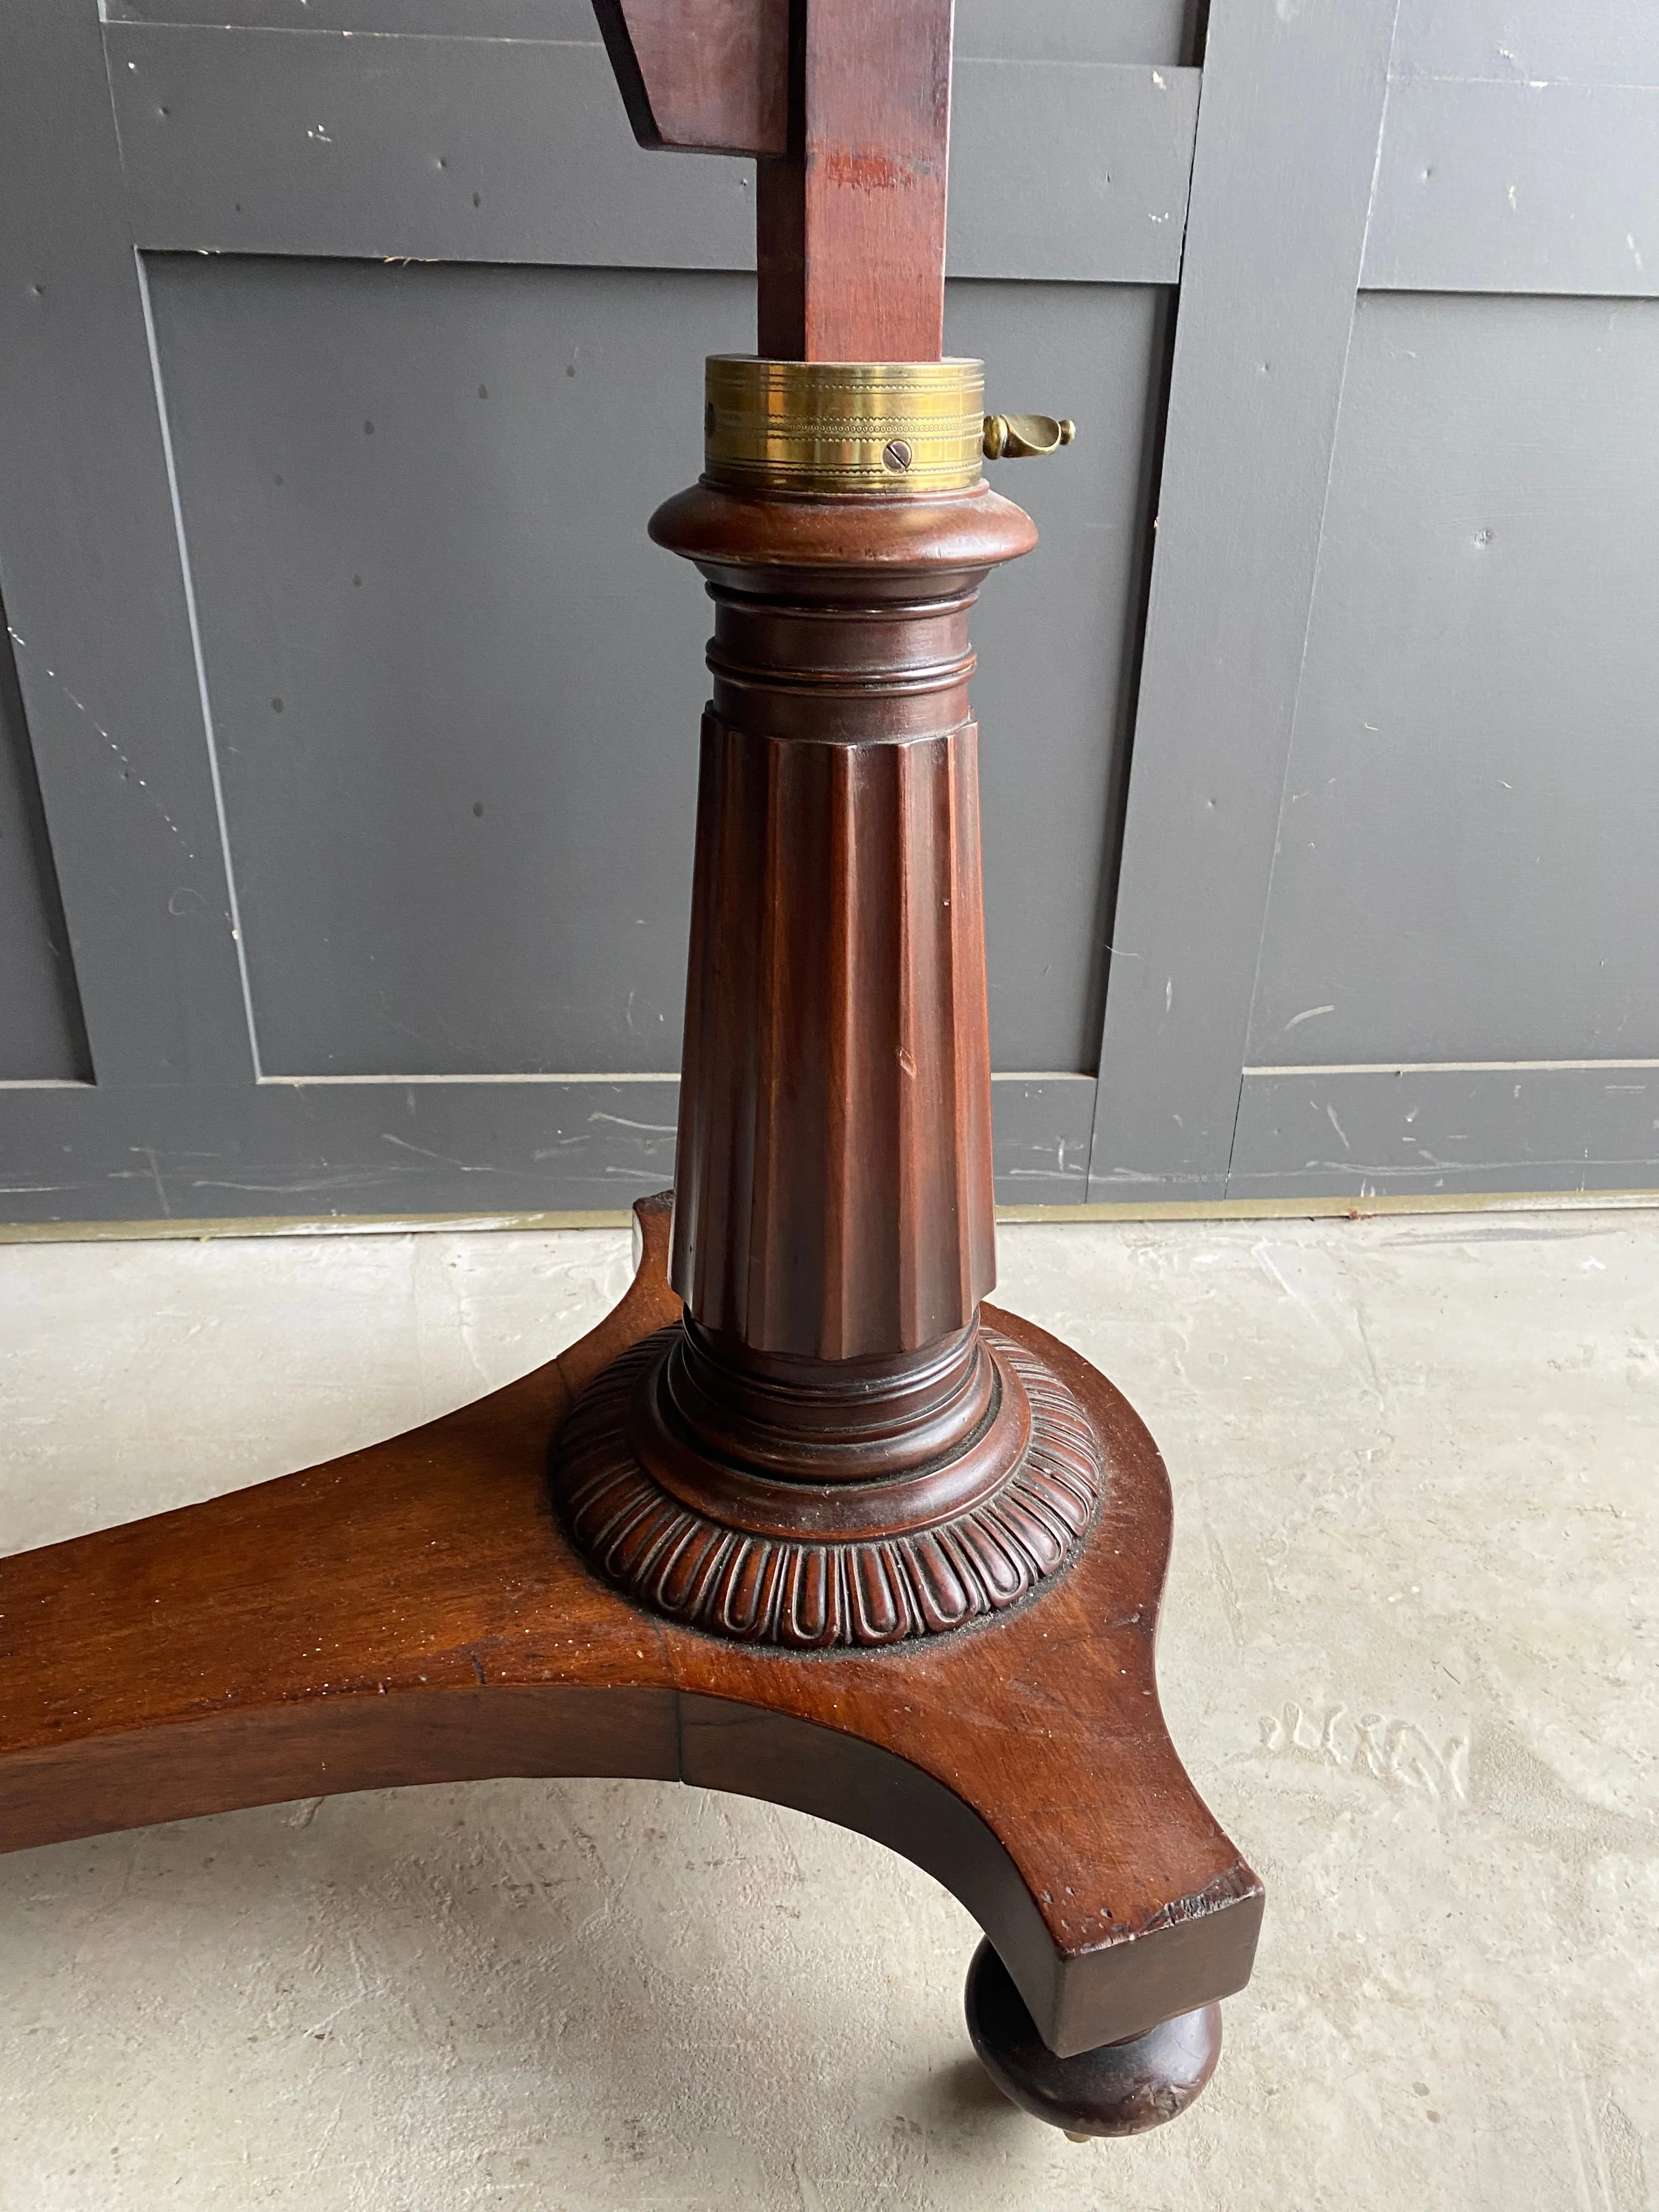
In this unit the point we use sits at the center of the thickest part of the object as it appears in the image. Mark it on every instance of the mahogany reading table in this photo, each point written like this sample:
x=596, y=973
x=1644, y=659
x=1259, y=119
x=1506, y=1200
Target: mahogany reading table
x=803, y=1518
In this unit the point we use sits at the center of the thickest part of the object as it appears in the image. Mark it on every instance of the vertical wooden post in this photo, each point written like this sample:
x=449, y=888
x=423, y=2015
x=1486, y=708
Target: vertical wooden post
x=851, y=220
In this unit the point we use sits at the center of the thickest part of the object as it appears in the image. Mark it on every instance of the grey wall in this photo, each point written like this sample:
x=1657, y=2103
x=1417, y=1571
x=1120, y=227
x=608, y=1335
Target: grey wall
x=346, y=774
x=1473, y=758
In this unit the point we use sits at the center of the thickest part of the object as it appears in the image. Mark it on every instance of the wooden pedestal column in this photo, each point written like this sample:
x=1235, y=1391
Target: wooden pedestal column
x=830, y=1450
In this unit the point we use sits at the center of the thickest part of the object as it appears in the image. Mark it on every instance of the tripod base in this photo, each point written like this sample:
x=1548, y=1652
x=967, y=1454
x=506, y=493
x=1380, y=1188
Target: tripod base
x=415, y=1613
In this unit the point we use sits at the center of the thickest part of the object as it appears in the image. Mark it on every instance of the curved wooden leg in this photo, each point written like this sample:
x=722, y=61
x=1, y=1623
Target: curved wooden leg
x=415, y=1613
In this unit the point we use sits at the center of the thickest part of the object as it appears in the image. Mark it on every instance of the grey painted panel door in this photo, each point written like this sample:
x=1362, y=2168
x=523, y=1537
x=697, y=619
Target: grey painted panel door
x=387, y=910
x=1411, y=759
x=1458, y=987
x=268, y=960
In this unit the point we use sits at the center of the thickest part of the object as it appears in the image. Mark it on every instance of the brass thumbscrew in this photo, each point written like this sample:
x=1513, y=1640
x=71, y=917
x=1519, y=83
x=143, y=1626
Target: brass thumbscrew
x=1023, y=437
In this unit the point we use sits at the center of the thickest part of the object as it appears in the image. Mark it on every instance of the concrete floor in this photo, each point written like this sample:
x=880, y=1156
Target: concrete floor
x=1408, y=1654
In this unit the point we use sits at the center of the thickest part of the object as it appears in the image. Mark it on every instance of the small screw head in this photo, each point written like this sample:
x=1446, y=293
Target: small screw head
x=896, y=454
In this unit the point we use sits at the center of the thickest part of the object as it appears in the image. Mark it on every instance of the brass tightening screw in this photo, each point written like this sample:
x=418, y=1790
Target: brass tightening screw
x=1025, y=437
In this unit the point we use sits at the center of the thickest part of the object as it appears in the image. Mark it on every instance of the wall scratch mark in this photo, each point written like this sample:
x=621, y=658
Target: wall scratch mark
x=130, y=773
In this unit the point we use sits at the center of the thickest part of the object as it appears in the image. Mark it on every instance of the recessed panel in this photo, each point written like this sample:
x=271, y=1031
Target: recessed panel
x=1467, y=855
x=562, y=20
x=1151, y=30
x=456, y=690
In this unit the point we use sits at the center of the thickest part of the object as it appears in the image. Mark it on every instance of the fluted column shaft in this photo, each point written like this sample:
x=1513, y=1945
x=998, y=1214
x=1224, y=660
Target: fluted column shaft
x=835, y=1186
x=834, y=1192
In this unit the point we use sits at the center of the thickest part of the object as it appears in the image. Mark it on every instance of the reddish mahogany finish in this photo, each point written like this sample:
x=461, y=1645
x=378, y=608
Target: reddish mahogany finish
x=851, y=222
x=711, y=74
x=829, y=1452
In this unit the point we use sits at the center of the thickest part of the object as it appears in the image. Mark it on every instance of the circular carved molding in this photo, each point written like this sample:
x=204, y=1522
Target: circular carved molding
x=804, y=1592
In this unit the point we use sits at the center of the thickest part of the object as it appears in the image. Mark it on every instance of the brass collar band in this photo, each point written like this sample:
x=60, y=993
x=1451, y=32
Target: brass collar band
x=890, y=426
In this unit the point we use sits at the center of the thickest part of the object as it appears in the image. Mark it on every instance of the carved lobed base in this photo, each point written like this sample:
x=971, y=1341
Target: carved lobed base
x=955, y=1543
x=414, y=1612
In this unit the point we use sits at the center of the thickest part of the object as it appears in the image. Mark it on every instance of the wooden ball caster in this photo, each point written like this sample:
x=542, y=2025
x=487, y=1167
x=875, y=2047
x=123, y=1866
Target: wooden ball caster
x=1118, y=2089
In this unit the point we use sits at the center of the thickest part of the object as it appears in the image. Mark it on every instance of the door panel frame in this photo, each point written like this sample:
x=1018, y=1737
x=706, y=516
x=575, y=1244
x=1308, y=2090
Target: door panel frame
x=238, y=141
x=1268, y=282
x=1200, y=179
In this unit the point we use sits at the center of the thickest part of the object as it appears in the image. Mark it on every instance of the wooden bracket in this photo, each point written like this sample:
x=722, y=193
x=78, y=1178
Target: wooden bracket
x=709, y=76
x=846, y=104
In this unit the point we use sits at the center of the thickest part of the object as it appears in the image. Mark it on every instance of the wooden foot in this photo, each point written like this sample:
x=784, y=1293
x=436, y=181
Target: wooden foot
x=1121, y=2089
x=416, y=1612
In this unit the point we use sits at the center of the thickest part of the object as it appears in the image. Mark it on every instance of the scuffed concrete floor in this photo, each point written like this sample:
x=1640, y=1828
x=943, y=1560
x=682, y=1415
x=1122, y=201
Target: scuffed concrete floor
x=1408, y=1654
